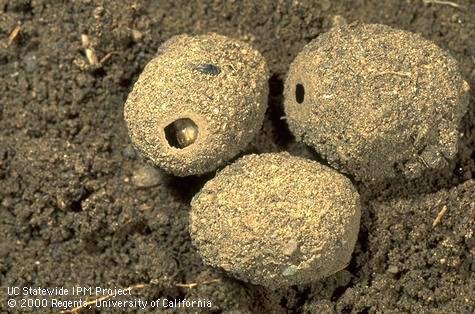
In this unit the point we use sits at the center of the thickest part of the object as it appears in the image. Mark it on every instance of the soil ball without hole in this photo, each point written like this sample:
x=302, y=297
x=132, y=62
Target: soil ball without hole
x=276, y=220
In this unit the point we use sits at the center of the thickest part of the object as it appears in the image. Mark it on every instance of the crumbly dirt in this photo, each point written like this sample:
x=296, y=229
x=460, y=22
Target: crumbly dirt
x=77, y=207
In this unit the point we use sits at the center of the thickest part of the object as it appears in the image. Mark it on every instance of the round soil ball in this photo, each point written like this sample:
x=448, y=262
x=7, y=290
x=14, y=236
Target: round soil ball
x=198, y=103
x=376, y=102
x=276, y=220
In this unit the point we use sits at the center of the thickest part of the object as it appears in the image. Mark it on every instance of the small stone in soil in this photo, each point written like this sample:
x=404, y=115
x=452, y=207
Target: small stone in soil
x=146, y=176
x=129, y=153
x=393, y=269
x=30, y=63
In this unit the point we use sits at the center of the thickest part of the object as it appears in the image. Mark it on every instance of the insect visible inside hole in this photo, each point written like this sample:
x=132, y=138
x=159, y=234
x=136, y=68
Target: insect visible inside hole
x=208, y=68
x=181, y=133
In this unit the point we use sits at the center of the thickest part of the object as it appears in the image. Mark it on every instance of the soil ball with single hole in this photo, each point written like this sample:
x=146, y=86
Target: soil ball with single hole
x=376, y=102
x=198, y=103
x=276, y=220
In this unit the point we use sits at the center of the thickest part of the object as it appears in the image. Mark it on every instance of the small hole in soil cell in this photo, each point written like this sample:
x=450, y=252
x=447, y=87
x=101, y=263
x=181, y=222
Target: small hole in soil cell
x=299, y=93
x=181, y=133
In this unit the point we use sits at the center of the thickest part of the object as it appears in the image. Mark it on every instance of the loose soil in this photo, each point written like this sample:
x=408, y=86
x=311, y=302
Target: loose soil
x=79, y=208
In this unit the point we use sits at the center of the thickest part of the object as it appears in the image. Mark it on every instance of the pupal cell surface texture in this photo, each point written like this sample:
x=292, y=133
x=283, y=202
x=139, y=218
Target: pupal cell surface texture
x=198, y=103
x=376, y=102
x=276, y=220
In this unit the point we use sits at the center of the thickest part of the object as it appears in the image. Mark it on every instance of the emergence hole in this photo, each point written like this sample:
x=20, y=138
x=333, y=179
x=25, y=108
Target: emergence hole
x=181, y=133
x=299, y=93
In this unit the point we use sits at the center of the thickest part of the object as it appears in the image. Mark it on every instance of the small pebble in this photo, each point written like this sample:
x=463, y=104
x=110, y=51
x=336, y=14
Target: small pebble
x=289, y=271
x=30, y=63
x=338, y=21
x=136, y=35
x=291, y=248
x=146, y=176
x=393, y=269
x=129, y=153
x=325, y=5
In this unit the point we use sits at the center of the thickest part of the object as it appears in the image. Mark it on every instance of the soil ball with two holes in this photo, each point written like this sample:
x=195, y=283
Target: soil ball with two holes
x=198, y=103
x=276, y=220
x=376, y=102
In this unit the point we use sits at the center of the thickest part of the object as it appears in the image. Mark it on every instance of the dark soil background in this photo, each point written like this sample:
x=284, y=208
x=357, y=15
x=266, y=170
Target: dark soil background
x=78, y=207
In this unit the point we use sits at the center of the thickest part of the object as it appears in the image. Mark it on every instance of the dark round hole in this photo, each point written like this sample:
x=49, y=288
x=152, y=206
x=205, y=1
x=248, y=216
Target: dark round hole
x=299, y=93
x=181, y=133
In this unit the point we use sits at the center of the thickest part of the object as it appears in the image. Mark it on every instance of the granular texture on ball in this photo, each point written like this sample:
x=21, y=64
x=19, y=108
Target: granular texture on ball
x=376, y=101
x=274, y=220
x=198, y=103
